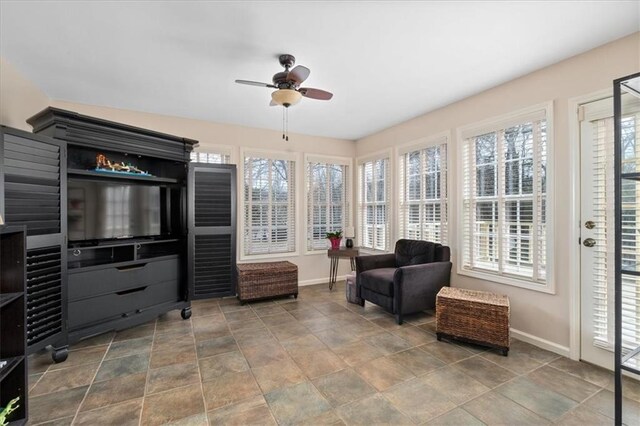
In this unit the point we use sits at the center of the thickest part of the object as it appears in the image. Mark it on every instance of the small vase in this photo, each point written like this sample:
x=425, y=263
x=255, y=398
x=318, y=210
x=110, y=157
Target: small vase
x=335, y=243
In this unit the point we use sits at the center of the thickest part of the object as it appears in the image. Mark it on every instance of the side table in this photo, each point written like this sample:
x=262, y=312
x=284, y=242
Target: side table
x=335, y=256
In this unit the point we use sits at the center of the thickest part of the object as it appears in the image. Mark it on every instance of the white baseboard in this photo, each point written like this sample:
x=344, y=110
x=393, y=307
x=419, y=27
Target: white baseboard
x=320, y=281
x=541, y=343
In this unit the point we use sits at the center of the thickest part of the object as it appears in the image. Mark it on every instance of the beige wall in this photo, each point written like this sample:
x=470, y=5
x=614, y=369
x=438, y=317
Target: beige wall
x=19, y=98
x=542, y=315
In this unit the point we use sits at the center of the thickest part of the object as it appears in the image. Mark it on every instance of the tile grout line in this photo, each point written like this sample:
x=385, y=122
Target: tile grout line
x=146, y=380
x=195, y=347
x=75, y=416
x=526, y=408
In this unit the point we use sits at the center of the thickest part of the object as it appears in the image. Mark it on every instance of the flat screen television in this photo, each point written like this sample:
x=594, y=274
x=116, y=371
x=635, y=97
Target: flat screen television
x=99, y=210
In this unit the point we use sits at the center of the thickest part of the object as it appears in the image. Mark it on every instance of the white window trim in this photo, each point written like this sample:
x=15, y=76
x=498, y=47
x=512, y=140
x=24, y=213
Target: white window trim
x=274, y=155
x=344, y=161
x=492, y=124
x=378, y=155
x=442, y=138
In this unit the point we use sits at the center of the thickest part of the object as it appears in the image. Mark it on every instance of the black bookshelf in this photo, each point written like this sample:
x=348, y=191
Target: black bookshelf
x=13, y=361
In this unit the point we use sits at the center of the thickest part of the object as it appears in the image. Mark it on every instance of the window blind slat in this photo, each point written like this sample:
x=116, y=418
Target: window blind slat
x=423, y=194
x=269, y=206
x=504, y=200
x=328, y=196
x=373, y=209
x=210, y=157
x=603, y=214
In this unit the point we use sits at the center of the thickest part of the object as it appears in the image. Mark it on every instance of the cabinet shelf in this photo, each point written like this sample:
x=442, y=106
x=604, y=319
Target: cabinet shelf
x=117, y=175
x=11, y=364
x=7, y=298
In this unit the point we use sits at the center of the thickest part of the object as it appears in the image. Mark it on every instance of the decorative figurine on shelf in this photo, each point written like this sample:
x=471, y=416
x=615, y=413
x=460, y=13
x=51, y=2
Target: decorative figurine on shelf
x=10, y=408
x=103, y=164
x=335, y=238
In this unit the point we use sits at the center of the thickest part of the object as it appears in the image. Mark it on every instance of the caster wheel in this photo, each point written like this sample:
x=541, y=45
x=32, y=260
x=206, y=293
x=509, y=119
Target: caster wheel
x=186, y=313
x=59, y=355
x=439, y=337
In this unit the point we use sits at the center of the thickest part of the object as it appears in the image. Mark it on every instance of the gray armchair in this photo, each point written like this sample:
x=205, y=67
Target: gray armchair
x=406, y=281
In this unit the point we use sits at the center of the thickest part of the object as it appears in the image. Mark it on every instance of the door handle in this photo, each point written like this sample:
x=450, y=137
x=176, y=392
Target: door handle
x=589, y=242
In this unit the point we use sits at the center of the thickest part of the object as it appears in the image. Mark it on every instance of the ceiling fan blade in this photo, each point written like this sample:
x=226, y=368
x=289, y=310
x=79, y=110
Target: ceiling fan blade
x=309, y=92
x=256, y=83
x=299, y=74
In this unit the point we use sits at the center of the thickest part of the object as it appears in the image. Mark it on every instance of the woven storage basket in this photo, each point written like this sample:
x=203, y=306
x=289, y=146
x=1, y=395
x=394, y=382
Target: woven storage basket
x=474, y=316
x=266, y=279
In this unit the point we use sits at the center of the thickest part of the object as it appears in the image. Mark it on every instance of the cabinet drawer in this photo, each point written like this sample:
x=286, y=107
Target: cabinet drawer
x=109, y=280
x=110, y=306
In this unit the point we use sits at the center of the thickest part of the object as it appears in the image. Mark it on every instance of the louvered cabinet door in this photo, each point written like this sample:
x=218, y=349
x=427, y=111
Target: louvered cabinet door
x=212, y=230
x=33, y=193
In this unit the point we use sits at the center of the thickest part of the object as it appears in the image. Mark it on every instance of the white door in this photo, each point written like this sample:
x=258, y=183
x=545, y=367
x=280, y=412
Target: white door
x=597, y=232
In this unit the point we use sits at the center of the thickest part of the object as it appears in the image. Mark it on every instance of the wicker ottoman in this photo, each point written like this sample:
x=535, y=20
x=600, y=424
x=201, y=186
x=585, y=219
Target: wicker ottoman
x=473, y=316
x=267, y=279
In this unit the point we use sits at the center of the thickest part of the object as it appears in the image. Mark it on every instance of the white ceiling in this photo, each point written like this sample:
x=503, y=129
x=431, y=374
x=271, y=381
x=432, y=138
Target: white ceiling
x=385, y=62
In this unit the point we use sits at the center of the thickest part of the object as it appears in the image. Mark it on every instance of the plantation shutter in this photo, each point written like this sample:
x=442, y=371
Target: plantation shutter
x=328, y=199
x=423, y=193
x=212, y=230
x=505, y=198
x=630, y=233
x=33, y=193
x=599, y=114
x=374, y=206
x=269, y=204
x=210, y=157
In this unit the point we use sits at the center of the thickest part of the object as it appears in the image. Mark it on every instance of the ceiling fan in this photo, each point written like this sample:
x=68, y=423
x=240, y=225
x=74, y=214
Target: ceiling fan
x=288, y=82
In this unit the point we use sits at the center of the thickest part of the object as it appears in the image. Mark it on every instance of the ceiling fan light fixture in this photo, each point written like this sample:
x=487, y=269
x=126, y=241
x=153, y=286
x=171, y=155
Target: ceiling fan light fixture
x=286, y=97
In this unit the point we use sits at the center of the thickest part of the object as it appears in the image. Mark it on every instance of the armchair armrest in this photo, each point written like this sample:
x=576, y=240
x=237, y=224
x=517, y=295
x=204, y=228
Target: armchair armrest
x=433, y=273
x=415, y=287
x=364, y=263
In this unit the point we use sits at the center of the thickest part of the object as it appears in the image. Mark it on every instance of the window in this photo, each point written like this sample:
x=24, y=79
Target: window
x=374, y=206
x=328, y=199
x=269, y=205
x=505, y=203
x=210, y=157
x=423, y=192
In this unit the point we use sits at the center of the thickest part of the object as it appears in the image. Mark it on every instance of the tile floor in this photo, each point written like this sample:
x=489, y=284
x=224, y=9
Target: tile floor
x=314, y=360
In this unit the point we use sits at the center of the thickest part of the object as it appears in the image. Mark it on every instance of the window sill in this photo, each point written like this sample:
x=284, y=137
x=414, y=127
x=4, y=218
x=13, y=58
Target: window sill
x=252, y=257
x=508, y=280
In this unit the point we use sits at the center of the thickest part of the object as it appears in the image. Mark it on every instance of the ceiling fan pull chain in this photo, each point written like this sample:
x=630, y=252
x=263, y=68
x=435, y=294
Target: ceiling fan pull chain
x=283, y=110
x=287, y=113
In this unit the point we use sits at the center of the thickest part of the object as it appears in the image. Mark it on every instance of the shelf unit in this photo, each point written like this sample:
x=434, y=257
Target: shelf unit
x=627, y=235
x=118, y=175
x=33, y=194
x=13, y=375
x=117, y=283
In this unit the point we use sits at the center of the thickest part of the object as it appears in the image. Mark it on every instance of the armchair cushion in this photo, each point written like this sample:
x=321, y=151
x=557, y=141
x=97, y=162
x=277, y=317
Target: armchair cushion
x=378, y=280
x=413, y=252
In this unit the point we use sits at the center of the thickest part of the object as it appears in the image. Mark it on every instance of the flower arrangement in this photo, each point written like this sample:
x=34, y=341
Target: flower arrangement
x=332, y=235
x=335, y=238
